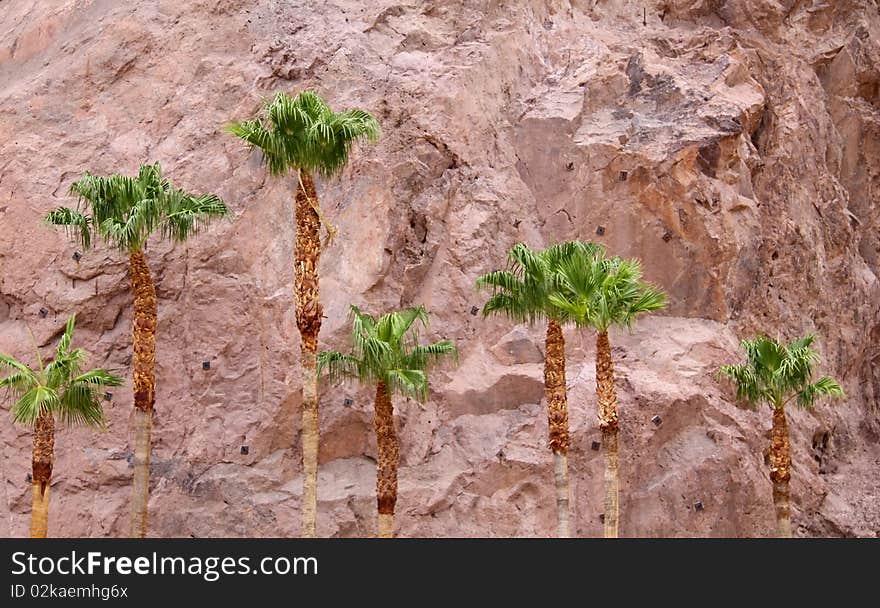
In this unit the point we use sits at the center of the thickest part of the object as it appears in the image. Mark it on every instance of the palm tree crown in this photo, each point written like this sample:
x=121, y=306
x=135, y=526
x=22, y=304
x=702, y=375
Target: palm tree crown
x=522, y=292
x=302, y=132
x=597, y=291
x=387, y=350
x=125, y=210
x=57, y=388
x=776, y=373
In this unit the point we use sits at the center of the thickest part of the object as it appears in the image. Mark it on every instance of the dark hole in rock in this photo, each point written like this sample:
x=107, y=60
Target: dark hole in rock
x=43, y=313
x=474, y=310
x=698, y=505
x=245, y=450
x=595, y=446
x=775, y=255
x=707, y=158
x=206, y=365
x=667, y=236
x=602, y=517
x=656, y=420
x=28, y=478
x=623, y=175
x=348, y=402
x=600, y=230
x=569, y=166
x=108, y=396
x=77, y=256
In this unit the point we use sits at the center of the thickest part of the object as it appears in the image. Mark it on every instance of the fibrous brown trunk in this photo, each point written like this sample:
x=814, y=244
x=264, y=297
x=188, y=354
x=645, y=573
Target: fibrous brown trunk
x=144, y=381
x=41, y=464
x=308, y=320
x=780, y=472
x=386, y=461
x=557, y=415
x=607, y=398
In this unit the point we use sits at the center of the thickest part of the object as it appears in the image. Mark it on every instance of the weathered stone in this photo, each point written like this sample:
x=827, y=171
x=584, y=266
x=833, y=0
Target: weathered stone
x=732, y=146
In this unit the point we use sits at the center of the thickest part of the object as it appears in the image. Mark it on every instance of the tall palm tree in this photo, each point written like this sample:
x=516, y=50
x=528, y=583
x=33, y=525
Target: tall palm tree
x=302, y=135
x=599, y=292
x=60, y=389
x=124, y=211
x=521, y=293
x=776, y=374
x=386, y=353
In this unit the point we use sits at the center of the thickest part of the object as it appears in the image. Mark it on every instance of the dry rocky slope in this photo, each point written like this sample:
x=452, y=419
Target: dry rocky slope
x=732, y=145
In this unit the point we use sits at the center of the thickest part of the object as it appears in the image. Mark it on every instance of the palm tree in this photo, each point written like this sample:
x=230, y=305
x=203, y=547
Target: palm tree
x=597, y=291
x=58, y=389
x=386, y=353
x=125, y=211
x=776, y=374
x=521, y=293
x=302, y=135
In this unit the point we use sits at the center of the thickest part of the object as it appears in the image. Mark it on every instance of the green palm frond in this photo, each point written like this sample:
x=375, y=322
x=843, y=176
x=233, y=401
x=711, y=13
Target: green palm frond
x=6, y=361
x=63, y=368
x=125, y=210
x=59, y=389
x=423, y=355
x=18, y=383
x=81, y=402
x=36, y=401
x=80, y=405
x=558, y=253
x=20, y=378
x=303, y=133
x=393, y=326
x=338, y=365
x=387, y=350
x=100, y=378
x=592, y=290
x=274, y=146
x=78, y=225
x=109, y=196
x=775, y=373
x=501, y=280
x=524, y=292
x=130, y=231
x=409, y=382
x=186, y=215
x=511, y=307
x=825, y=386
x=66, y=337
x=747, y=387
x=367, y=345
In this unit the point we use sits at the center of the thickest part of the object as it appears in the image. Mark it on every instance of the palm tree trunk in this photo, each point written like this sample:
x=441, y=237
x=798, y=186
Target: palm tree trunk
x=607, y=397
x=557, y=415
x=386, y=461
x=308, y=320
x=780, y=472
x=41, y=465
x=144, y=339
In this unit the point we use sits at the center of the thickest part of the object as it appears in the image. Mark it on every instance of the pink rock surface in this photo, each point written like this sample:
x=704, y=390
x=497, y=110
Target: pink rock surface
x=733, y=146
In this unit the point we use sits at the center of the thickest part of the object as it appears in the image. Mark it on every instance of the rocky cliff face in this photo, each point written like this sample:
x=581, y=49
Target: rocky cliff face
x=731, y=144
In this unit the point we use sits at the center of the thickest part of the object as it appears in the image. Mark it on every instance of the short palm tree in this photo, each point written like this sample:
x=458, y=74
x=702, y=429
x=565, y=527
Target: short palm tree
x=599, y=292
x=302, y=135
x=777, y=374
x=125, y=211
x=60, y=389
x=386, y=353
x=521, y=293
